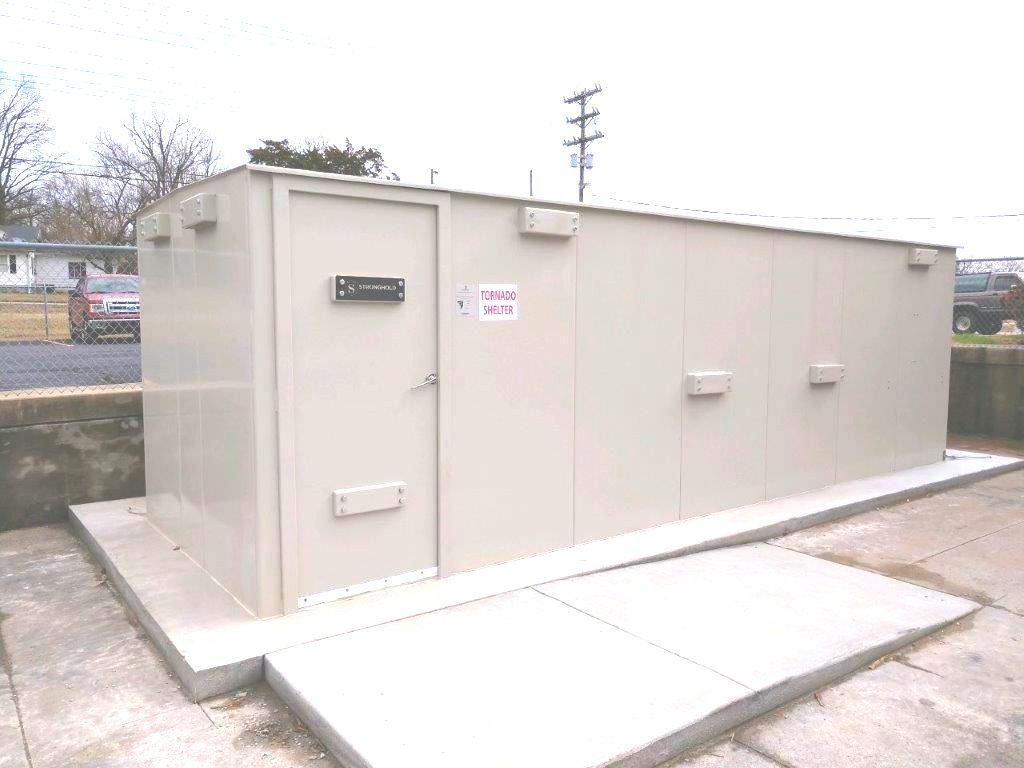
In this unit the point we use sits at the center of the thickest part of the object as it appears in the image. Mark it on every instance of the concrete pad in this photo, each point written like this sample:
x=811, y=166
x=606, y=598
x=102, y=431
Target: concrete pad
x=256, y=730
x=1012, y=601
x=73, y=654
x=763, y=616
x=950, y=702
x=215, y=646
x=987, y=569
x=93, y=692
x=728, y=754
x=12, y=750
x=514, y=680
x=620, y=668
x=888, y=538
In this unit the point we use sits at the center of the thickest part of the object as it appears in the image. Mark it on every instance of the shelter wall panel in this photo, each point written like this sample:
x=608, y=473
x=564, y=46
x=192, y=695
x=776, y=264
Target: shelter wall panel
x=872, y=292
x=924, y=362
x=629, y=348
x=807, y=291
x=510, y=492
x=726, y=328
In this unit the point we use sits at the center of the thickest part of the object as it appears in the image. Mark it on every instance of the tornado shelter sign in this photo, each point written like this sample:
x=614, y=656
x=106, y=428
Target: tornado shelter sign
x=498, y=301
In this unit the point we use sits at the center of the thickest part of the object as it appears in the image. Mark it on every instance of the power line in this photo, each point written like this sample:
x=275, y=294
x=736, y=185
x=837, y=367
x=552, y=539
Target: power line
x=132, y=37
x=232, y=27
x=820, y=218
x=583, y=140
x=49, y=163
x=113, y=88
x=74, y=89
x=92, y=72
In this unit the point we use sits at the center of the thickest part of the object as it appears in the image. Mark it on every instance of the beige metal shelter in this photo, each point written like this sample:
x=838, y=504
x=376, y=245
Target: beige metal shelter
x=350, y=384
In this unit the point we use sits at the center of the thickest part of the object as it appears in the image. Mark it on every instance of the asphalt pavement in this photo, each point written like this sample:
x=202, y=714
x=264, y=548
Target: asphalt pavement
x=41, y=364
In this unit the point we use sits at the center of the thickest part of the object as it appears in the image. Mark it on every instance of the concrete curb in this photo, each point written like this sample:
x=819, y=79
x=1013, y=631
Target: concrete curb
x=344, y=752
x=784, y=527
x=63, y=407
x=762, y=702
x=199, y=684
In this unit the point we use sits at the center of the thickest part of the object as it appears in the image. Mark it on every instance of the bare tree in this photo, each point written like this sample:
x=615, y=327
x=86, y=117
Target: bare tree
x=24, y=135
x=153, y=156
x=157, y=155
x=80, y=208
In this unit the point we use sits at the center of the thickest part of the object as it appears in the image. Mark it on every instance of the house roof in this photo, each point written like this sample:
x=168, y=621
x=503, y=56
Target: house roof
x=19, y=233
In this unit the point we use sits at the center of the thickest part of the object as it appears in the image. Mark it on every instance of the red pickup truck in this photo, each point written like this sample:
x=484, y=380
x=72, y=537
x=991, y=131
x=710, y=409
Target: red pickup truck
x=104, y=305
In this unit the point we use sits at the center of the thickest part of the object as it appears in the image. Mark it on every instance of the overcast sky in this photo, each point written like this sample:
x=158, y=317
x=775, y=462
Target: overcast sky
x=818, y=109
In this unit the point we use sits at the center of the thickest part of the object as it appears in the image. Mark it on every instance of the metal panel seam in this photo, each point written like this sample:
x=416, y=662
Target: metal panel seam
x=682, y=365
x=842, y=356
x=280, y=217
x=768, y=379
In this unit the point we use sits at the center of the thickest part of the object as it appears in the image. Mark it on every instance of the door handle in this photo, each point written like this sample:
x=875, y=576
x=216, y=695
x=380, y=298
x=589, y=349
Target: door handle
x=430, y=378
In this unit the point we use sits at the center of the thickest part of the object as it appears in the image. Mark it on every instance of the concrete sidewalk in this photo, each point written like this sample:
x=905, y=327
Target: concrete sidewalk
x=955, y=699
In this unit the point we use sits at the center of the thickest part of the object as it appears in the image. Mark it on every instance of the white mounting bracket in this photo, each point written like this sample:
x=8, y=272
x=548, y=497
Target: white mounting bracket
x=544, y=221
x=156, y=226
x=709, y=382
x=368, y=498
x=922, y=257
x=827, y=374
x=199, y=209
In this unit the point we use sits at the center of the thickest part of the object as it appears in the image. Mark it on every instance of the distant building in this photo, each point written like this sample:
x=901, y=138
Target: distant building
x=26, y=270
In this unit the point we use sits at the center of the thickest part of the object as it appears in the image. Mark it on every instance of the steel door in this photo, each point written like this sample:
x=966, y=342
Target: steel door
x=360, y=418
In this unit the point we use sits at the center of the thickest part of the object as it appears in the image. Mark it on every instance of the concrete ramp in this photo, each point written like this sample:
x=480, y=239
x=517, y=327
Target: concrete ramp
x=623, y=668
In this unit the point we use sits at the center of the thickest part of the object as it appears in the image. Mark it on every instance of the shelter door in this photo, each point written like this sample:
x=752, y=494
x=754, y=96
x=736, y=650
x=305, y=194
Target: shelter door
x=365, y=370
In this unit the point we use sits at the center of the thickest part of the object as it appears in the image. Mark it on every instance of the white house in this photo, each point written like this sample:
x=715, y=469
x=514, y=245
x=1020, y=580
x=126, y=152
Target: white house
x=26, y=270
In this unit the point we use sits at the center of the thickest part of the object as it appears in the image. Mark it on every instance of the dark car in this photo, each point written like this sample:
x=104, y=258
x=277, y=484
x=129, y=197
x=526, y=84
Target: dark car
x=980, y=301
x=104, y=305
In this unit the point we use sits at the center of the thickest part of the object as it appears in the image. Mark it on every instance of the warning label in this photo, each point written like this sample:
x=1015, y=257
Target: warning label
x=498, y=301
x=465, y=299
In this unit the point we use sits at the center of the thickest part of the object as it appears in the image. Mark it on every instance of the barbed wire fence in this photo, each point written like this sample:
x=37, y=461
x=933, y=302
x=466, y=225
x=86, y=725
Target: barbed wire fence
x=69, y=318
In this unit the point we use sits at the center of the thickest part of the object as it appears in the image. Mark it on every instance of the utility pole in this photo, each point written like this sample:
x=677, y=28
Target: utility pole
x=434, y=172
x=585, y=160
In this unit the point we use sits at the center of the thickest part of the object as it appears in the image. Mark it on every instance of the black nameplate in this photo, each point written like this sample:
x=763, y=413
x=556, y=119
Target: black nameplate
x=356, y=288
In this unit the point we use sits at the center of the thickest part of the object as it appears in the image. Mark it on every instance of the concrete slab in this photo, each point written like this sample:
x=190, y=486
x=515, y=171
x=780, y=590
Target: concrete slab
x=215, y=646
x=514, y=680
x=988, y=569
x=952, y=701
x=812, y=620
x=62, y=665
x=12, y=750
x=621, y=668
x=728, y=754
x=92, y=691
x=967, y=541
x=1012, y=601
x=887, y=538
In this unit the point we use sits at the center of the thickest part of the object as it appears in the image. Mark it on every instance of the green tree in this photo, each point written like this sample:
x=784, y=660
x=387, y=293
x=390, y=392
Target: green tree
x=321, y=156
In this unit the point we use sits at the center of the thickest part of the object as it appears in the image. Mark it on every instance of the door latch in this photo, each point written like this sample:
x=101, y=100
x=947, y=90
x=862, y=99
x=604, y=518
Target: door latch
x=430, y=378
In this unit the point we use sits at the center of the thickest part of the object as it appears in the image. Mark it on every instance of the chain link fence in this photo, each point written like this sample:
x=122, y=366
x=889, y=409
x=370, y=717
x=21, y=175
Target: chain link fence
x=988, y=301
x=69, y=317
x=70, y=314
